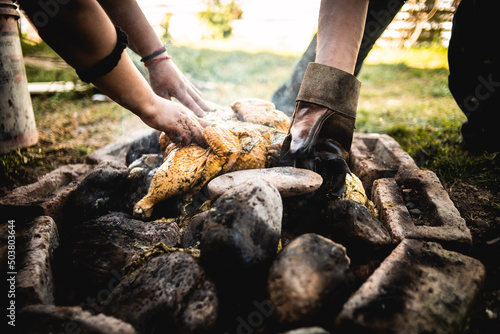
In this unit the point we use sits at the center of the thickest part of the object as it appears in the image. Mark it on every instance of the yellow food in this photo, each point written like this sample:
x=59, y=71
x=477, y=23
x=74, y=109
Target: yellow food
x=245, y=137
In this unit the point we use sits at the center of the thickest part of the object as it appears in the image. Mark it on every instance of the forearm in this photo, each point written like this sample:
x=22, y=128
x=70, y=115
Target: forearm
x=340, y=31
x=128, y=15
x=82, y=34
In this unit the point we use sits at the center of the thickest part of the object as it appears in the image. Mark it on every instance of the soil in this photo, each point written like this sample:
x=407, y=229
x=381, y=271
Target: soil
x=480, y=208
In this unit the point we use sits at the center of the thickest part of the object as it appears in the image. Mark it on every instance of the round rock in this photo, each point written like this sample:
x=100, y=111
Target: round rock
x=289, y=181
x=243, y=228
x=309, y=281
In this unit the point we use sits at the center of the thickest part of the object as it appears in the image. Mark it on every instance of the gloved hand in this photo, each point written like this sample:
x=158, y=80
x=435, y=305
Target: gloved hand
x=322, y=127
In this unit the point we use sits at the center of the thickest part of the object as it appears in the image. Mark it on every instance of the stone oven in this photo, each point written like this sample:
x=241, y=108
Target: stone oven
x=252, y=261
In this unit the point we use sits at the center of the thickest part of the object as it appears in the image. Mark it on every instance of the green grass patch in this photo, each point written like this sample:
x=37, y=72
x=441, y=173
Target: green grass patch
x=227, y=75
x=42, y=74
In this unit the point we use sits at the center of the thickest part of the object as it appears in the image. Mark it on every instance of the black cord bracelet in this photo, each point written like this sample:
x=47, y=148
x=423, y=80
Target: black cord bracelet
x=108, y=63
x=154, y=54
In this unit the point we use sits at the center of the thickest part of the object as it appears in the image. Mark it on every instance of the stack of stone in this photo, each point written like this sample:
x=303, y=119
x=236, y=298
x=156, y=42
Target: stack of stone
x=267, y=254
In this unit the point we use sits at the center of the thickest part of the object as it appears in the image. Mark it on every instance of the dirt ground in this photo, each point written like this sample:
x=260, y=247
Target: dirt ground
x=479, y=207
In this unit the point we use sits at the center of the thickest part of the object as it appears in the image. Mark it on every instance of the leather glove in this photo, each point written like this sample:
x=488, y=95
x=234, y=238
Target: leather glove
x=322, y=126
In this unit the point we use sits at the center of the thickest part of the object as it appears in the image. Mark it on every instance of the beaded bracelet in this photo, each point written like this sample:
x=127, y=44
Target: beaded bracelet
x=156, y=60
x=154, y=54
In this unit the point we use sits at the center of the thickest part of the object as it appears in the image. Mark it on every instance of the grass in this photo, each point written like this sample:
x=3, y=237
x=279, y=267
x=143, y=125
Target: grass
x=404, y=94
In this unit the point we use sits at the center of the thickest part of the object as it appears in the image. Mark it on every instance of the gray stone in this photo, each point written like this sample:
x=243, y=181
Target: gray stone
x=192, y=233
x=201, y=310
x=146, y=161
x=309, y=281
x=121, y=151
x=34, y=280
x=351, y=221
x=46, y=197
x=111, y=186
x=439, y=219
x=169, y=293
x=243, y=228
x=94, y=254
x=288, y=180
x=42, y=319
x=144, y=145
x=419, y=288
x=375, y=156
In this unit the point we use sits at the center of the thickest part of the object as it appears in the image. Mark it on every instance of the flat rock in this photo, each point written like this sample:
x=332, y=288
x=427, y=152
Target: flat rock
x=46, y=197
x=309, y=281
x=35, y=280
x=243, y=228
x=419, y=288
x=439, y=219
x=307, y=330
x=42, y=319
x=169, y=293
x=289, y=181
x=374, y=156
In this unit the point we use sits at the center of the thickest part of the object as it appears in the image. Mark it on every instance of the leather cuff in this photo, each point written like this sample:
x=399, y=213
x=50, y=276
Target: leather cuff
x=330, y=87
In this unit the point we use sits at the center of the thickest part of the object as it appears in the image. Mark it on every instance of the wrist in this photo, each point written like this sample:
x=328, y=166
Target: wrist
x=156, y=60
x=159, y=51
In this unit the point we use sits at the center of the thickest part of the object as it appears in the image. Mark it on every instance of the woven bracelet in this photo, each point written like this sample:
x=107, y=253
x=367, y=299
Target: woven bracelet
x=154, y=54
x=108, y=63
x=156, y=60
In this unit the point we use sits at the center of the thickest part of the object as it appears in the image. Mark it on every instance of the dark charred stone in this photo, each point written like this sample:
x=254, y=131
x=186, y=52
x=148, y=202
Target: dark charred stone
x=145, y=145
x=167, y=294
x=309, y=281
x=127, y=150
x=352, y=223
x=419, y=288
x=42, y=319
x=304, y=214
x=35, y=248
x=110, y=187
x=46, y=197
x=201, y=309
x=192, y=235
x=239, y=240
x=242, y=230
x=93, y=256
x=100, y=192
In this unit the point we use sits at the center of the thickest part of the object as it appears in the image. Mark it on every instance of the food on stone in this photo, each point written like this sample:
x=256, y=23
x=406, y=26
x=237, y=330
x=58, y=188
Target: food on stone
x=247, y=136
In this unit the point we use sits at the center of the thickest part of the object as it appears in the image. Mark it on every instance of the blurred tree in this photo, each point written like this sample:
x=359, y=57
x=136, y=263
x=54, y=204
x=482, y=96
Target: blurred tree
x=218, y=17
x=167, y=38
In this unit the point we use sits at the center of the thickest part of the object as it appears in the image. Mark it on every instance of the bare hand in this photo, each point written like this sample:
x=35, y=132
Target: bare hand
x=179, y=123
x=168, y=81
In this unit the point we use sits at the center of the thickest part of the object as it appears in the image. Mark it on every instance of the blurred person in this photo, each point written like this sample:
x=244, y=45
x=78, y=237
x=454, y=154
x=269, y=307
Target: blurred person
x=474, y=80
x=91, y=37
